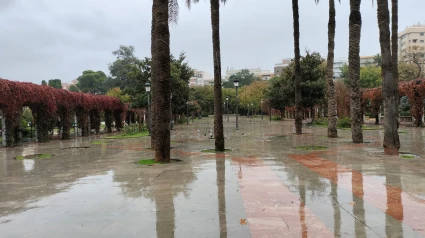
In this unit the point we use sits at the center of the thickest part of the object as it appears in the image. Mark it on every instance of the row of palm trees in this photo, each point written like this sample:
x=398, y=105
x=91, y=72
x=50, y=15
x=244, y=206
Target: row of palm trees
x=389, y=52
x=164, y=11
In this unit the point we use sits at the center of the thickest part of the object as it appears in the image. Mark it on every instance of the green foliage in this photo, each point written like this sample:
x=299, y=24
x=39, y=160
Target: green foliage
x=370, y=76
x=55, y=83
x=43, y=82
x=408, y=71
x=321, y=121
x=311, y=147
x=404, y=104
x=132, y=129
x=204, y=95
x=73, y=88
x=91, y=82
x=149, y=162
x=344, y=122
x=244, y=77
x=281, y=92
x=116, y=92
x=276, y=118
x=34, y=156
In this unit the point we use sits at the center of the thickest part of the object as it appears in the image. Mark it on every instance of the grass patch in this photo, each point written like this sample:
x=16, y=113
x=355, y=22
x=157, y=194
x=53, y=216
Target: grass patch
x=402, y=132
x=213, y=151
x=34, y=156
x=151, y=162
x=137, y=135
x=407, y=156
x=311, y=147
x=99, y=142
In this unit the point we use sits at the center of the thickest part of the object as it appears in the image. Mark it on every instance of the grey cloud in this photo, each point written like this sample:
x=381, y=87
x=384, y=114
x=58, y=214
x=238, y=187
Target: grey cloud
x=43, y=39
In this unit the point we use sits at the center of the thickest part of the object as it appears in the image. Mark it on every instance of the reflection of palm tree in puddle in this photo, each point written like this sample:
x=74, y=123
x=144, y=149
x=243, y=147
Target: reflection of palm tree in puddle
x=160, y=187
x=337, y=211
x=221, y=177
x=394, y=202
x=304, y=230
x=358, y=207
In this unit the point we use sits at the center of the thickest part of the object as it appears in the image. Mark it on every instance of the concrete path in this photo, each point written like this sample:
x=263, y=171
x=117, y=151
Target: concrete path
x=264, y=187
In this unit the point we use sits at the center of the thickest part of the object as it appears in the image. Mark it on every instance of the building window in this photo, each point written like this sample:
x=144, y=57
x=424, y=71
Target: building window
x=422, y=41
x=415, y=41
x=422, y=33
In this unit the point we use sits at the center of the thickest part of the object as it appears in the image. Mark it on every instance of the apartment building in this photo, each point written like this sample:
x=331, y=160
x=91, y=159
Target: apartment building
x=264, y=74
x=278, y=68
x=410, y=37
x=201, y=78
x=338, y=64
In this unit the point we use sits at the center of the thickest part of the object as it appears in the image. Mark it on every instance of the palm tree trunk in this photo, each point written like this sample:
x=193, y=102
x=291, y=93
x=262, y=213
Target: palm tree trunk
x=390, y=93
x=160, y=80
x=355, y=26
x=298, y=105
x=332, y=131
x=218, y=104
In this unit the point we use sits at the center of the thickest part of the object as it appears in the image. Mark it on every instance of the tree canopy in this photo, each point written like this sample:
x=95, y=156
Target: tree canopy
x=91, y=82
x=55, y=83
x=244, y=76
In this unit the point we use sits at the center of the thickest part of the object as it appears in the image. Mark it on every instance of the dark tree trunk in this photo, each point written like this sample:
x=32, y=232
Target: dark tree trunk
x=218, y=104
x=298, y=106
x=161, y=81
x=332, y=120
x=221, y=194
x=389, y=87
x=66, y=123
x=10, y=132
x=355, y=25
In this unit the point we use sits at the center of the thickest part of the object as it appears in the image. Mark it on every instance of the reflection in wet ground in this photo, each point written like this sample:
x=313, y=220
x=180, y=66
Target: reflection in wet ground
x=264, y=187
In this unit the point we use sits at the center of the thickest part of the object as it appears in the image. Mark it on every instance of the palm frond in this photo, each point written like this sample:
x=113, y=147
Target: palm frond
x=173, y=11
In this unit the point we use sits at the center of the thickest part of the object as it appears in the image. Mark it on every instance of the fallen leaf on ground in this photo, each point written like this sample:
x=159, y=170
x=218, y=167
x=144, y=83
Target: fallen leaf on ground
x=351, y=203
x=243, y=222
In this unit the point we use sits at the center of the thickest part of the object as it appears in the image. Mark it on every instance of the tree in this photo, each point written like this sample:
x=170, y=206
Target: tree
x=408, y=71
x=181, y=73
x=297, y=76
x=55, y=83
x=73, y=88
x=415, y=55
x=43, y=82
x=281, y=91
x=244, y=76
x=160, y=50
x=389, y=85
x=204, y=95
x=377, y=60
x=116, y=92
x=355, y=25
x=91, y=82
x=332, y=110
x=125, y=58
x=370, y=77
x=253, y=93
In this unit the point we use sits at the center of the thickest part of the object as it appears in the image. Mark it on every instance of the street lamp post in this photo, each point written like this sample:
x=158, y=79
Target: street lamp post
x=236, y=84
x=261, y=109
x=148, y=89
x=227, y=108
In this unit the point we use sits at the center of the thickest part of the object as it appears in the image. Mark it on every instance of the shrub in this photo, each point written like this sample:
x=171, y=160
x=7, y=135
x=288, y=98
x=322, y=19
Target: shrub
x=276, y=118
x=344, y=122
x=133, y=129
x=323, y=121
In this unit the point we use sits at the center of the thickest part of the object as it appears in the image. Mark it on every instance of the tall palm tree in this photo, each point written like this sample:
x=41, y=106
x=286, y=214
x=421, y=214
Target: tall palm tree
x=160, y=49
x=355, y=25
x=332, y=113
x=297, y=78
x=218, y=103
x=389, y=85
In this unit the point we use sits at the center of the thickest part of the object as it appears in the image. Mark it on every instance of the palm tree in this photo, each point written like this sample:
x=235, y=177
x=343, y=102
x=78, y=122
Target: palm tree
x=389, y=84
x=218, y=103
x=355, y=25
x=297, y=78
x=160, y=49
x=332, y=113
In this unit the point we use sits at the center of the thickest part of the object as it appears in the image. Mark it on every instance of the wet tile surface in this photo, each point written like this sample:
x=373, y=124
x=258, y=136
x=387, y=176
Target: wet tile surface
x=264, y=187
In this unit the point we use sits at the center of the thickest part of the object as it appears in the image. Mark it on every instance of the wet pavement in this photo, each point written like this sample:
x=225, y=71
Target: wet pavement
x=264, y=187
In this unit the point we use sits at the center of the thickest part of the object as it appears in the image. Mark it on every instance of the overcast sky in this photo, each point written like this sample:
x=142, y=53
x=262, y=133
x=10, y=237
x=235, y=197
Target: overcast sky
x=46, y=39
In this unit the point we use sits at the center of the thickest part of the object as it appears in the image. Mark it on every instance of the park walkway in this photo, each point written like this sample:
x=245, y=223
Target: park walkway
x=270, y=185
